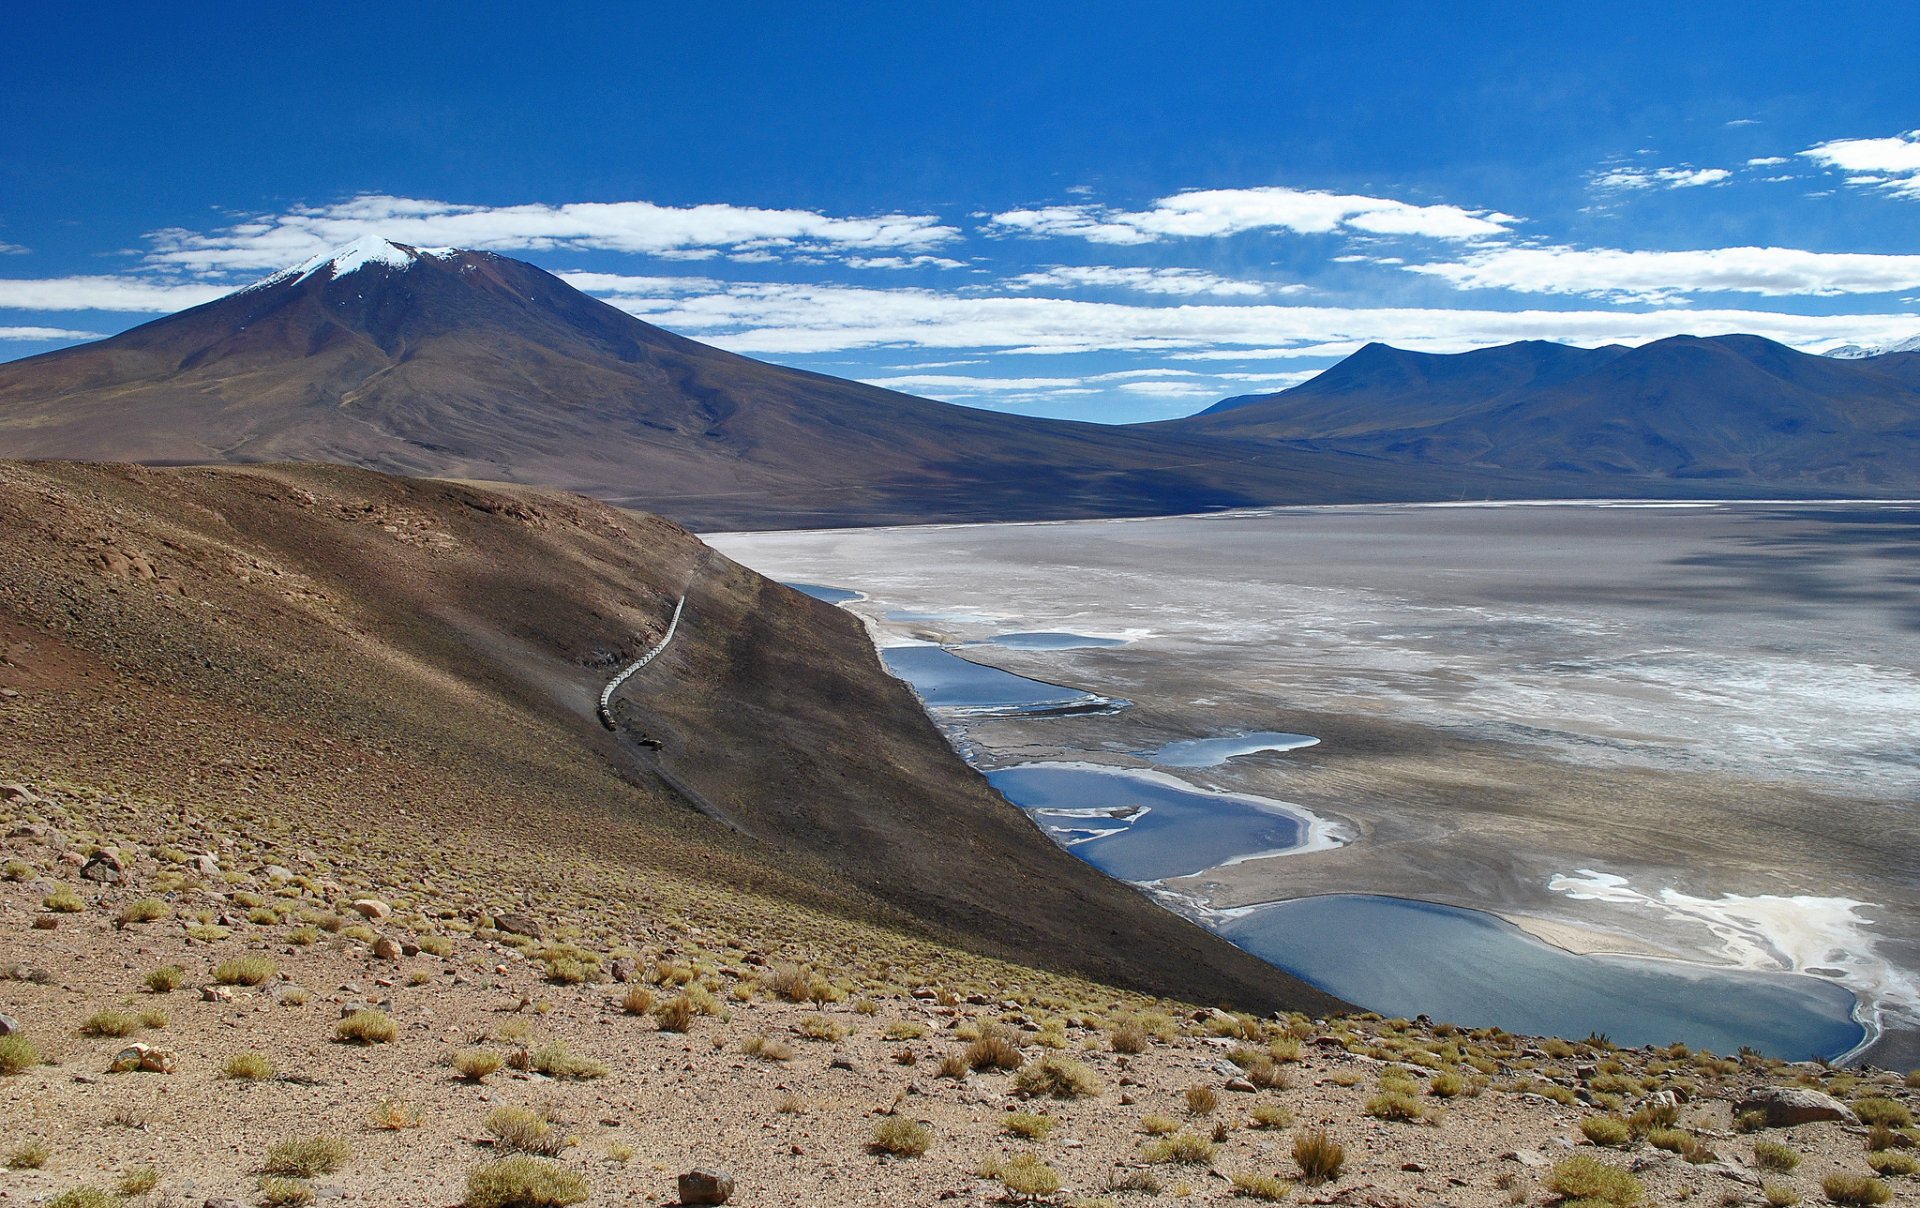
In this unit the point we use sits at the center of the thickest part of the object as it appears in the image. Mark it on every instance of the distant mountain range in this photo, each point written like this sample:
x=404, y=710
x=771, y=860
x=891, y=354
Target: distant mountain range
x=1719, y=412
x=468, y=364
x=472, y=365
x=1854, y=352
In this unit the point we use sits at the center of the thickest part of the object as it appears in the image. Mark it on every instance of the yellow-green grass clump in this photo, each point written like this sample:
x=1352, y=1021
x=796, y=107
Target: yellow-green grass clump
x=1319, y=1157
x=366, y=1026
x=523, y=1182
x=248, y=1066
x=244, y=971
x=1026, y=1176
x=1184, y=1147
x=1588, y=1179
x=1856, y=1190
x=307, y=1156
x=1057, y=1077
x=900, y=1137
x=1261, y=1187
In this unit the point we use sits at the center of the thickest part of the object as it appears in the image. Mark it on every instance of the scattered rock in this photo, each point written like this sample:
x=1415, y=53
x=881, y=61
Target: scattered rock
x=206, y=864
x=27, y=830
x=1532, y=1159
x=11, y=793
x=372, y=908
x=277, y=872
x=1242, y=1085
x=386, y=948
x=621, y=970
x=215, y=994
x=142, y=1057
x=104, y=867
x=1728, y=1170
x=9, y=1026
x=223, y=1203
x=706, y=1186
x=515, y=923
x=1786, y=1106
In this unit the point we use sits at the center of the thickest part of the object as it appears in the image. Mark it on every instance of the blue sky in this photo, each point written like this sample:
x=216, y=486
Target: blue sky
x=1099, y=211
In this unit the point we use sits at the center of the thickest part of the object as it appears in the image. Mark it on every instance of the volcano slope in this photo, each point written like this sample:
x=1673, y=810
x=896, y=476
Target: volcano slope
x=302, y=790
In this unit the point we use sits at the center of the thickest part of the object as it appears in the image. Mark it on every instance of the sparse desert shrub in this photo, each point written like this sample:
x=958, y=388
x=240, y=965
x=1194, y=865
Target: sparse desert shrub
x=137, y=1181
x=1026, y=1176
x=84, y=1197
x=524, y=1183
x=367, y=1026
x=1202, y=1100
x=820, y=1027
x=146, y=910
x=1875, y=1109
x=1892, y=1162
x=307, y=1156
x=1030, y=1125
x=1779, y=1195
x=524, y=1130
x=637, y=1000
x=557, y=1061
x=994, y=1049
x=1772, y=1155
x=475, y=1064
x=1158, y=1125
x=436, y=945
x=304, y=936
x=767, y=1048
x=901, y=1137
x=244, y=971
x=1057, y=1077
x=1395, y=1105
x=1606, y=1130
x=1272, y=1115
x=17, y=870
x=1318, y=1156
x=17, y=1054
x=1129, y=1038
x=109, y=1023
x=277, y=1191
x=395, y=1114
x=1184, y=1146
x=1675, y=1140
x=954, y=1065
x=675, y=1014
x=1261, y=1187
x=565, y=971
x=1855, y=1190
x=1750, y=1121
x=29, y=1155
x=1585, y=1178
x=1652, y=1116
x=248, y=1067
x=154, y=1017
x=905, y=1029
x=63, y=901
x=165, y=979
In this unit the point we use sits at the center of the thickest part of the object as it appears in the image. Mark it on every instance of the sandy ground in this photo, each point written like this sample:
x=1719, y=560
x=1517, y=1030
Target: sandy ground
x=1712, y=703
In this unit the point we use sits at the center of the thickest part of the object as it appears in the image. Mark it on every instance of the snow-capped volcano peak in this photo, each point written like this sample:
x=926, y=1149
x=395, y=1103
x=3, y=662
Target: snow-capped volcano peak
x=352, y=257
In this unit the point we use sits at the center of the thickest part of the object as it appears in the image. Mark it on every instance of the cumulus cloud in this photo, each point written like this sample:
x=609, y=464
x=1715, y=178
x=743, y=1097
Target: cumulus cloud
x=1204, y=213
x=47, y=333
x=273, y=241
x=129, y=295
x=1183, y=282
x=1660, y=178
x=1891, y=163
x=922, y=261
x=1767, y=161
x=1658, y=276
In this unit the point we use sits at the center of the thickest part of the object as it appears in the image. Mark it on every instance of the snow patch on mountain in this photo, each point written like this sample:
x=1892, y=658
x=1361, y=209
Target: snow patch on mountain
x=1856, y=352
x=352, y=257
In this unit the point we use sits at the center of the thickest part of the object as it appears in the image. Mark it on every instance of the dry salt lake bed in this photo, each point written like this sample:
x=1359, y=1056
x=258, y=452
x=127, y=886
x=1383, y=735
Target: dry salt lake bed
x=1649, y=770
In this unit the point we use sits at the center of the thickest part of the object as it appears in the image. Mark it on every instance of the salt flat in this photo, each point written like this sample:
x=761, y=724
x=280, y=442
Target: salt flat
x=1711, y=703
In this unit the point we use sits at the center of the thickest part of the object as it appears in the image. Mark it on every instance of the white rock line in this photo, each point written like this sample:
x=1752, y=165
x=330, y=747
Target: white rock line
x=613, y=685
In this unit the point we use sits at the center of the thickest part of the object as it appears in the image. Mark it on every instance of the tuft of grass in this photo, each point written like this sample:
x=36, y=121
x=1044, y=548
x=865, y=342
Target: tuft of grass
x=29, y=1155
x=524, y=1182
x=1130, y=1038
x=676, y=1014
x=1750, y=1121
x=475, y=1064
x=1057, y=1077
x=1026, y=1176
x=1875, y=1109
x=63, y=901
x=557, y=1061
x=1202, y=1100
x=366, y=1026
x=1395, y=1105
x=154, y=1017
x=524, y=1130
x=1772, y=1155
x=1184, y=1146
x=109, y=1023
x=278, y=1191
x=905, y=1029
x=1855, y=1190
x=1029, y=1125
x=767, y=1048
x=1893, y=1163
x=994, y=1050
x=244, y=971
x=1261, y=1187
x=1588, y=1179
x=84, y=1197
x=248, y=1067
x=1318, y=1156
x=307, y=1156
x=901, y=1137
x=1606, y=1130
x=165, y=979
x=637, y=1000
x=954, y=1065
x=1681, y=1142
x=146, y=910
x=1272, y=1115
x=820, y=1027
x=1779, y=1195
x=18, y=1054
x=1159, y=1126
x=137, y=1181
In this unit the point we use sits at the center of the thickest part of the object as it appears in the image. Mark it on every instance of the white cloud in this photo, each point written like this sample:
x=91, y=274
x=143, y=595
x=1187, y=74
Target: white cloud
x=1768, y=161
x=11, y=249
x=1183, y=282
x=774, y=319
x=273, y=241
x=1645, y=276
x=903, y=262
x=1660, y=178
x=1215, y=212
x=1891, y=163
x=1155, y=389
x=124, y=294
x=47, y=333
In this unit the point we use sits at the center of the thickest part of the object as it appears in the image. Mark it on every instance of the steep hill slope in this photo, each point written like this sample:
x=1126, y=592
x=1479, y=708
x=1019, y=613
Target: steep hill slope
x=356, y=659
x=1727, y=412
x=473, y=365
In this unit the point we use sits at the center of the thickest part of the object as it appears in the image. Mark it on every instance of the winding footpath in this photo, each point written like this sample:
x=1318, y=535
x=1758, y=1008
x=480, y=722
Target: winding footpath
x=613, y=685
